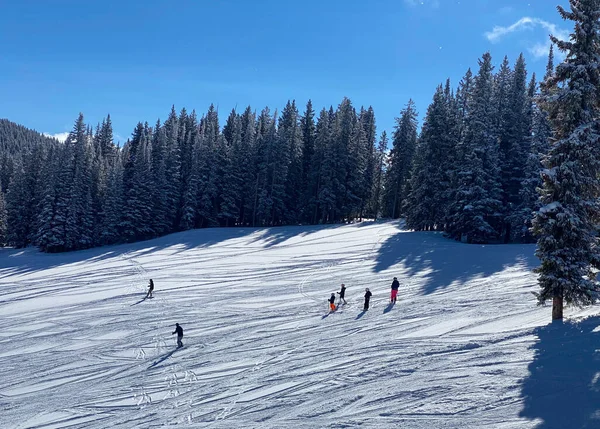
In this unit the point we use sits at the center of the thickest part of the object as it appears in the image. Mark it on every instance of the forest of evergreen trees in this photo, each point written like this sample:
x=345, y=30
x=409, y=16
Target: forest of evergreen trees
x=472, y=171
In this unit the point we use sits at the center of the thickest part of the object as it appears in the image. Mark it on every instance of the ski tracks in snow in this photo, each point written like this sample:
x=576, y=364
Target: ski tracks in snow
x=257, y=351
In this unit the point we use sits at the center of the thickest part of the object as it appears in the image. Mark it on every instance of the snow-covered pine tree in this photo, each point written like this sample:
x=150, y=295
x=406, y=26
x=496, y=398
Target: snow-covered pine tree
x=529, y=197
x=397, y=177
x=514, y=147
x=3, y=222
x=114, y=201
x=172, y=170
x=379, y=169
x=426, y=204
x=246, y=163
x=475, y=214
x=161, y=213
x=324, y=144
x=136, y=222
x=567, y=222
x=308, y=128
x=233, y=174
x=79, y=226
x=289, y=135
x=189, y=143
x=208, y=166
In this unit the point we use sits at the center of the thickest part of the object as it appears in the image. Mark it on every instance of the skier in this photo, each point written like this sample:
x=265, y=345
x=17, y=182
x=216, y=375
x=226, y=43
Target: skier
x=150, y=289
x=332, y=302
x=395, y=287
x=367, y=299
x=179, y=332
x=342, y=294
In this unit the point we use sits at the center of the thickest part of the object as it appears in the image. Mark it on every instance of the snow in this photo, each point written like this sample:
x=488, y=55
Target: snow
x=466, y=346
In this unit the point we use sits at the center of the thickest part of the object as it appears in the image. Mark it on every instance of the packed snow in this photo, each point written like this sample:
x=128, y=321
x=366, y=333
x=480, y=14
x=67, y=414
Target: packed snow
x=465, y=346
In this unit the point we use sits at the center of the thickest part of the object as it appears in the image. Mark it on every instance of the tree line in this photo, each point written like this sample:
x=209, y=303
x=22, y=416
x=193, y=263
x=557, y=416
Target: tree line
x=472, y=171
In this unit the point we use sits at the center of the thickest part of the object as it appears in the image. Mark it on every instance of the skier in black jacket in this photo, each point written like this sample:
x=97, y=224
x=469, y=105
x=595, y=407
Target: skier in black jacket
x=367, y=299
x=150, y=289
x=332, y=302
x=395, y=287
x=179, y=332
x=342, y=294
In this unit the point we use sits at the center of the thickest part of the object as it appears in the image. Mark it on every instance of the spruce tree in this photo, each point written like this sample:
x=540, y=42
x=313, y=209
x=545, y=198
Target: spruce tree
x=289, y=139
x=308, y=129
x=427, y=205
x=397, y=178
x=567, y=222
x=3, y=222
x=476, y=212
x=379, y=168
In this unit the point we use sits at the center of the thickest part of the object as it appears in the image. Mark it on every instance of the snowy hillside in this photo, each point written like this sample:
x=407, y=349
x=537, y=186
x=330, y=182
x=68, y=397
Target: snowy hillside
x=464, y=347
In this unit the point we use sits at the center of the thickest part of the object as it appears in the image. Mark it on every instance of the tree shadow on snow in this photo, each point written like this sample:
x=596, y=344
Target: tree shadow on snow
x=28, y=260
x=563, y=387
x=443, y=261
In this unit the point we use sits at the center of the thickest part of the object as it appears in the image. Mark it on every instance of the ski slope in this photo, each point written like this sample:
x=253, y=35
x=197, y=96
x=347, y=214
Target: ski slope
x=464, y=347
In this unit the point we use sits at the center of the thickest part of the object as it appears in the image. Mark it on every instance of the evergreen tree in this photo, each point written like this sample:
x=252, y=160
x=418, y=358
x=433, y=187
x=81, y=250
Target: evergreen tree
x=289, y=137
x=566, y=224
x=308, y=127
x=162, y=214
x=208, y=169
x=172, y=176
x=397, y=178
x=475, y=213
x=325, y=180
x=379, y=163
x=3, y=221
x=246, y=164
x=113, y=203
x=430, y=180
x=135, y=223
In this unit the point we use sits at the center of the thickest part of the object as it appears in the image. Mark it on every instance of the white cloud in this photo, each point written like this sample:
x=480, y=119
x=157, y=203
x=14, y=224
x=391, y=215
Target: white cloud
x=58, y=136
x=539, y=49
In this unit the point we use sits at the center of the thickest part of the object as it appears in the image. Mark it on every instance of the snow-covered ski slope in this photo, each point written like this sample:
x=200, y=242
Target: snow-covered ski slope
x=464, y=347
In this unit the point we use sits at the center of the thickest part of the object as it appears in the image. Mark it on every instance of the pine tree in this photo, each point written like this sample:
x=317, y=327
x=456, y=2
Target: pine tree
x=379, y=163
x=566, y=224
x=475, y=213
x=137, y=211
x=3, y=221
x=514, y=147
x=246, y=163
x=172, y=171
x=230, y=209
x=189, y=137
x=308, y=128
x=79, y=220
x=162, y=214
x=325, y=208
x=430, y=180
x=397, y=178
x=208, y=169
x=114, y=201
x=289, y=139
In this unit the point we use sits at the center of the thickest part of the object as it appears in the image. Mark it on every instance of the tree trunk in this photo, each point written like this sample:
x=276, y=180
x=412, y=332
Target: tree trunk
x=557, y=307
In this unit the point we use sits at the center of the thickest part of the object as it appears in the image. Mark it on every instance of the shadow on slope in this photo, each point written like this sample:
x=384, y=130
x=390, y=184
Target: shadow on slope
x=443, y=261
x=563, y=387
x=21, y=261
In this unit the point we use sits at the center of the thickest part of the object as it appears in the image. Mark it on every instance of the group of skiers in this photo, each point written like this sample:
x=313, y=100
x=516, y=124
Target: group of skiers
x=368, y=294
x=332, y=306
x=178, y=329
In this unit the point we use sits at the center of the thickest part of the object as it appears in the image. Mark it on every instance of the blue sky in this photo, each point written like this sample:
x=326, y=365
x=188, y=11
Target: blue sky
x=135, y=59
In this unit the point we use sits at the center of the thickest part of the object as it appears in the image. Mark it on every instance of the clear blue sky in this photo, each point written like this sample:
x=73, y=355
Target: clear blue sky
x=134, y=59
